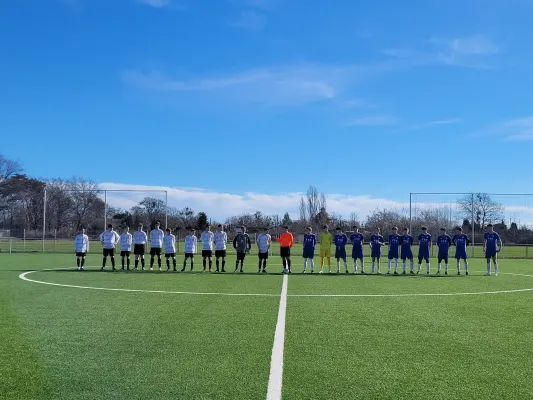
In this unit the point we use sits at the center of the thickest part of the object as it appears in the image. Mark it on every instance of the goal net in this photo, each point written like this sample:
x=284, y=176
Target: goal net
x=511, y=215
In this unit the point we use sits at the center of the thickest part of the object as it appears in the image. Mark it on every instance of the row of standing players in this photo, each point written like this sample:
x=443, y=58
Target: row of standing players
x=242, y=244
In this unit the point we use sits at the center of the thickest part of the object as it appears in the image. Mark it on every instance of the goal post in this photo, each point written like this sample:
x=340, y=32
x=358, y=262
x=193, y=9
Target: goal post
x=510, y=213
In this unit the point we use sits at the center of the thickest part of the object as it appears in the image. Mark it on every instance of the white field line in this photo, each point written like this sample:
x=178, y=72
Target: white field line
x=275, y=379
x=24, y=276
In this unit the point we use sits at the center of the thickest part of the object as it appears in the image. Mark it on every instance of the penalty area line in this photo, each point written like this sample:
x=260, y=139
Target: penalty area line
x=275, y=379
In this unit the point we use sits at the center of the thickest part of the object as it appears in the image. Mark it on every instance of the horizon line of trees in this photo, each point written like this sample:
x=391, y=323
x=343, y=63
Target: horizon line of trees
x=76, y=203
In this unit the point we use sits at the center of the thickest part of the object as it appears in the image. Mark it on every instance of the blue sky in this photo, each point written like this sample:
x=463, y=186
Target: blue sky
x=350, y=94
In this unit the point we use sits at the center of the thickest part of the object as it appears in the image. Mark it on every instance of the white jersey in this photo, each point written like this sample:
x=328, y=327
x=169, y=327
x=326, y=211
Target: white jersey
x=156, y=237
x=263, y=242
x=81, y=243
x=221, y=238
x=139, y=237
x=170, y=244
x=190, y=244
x=125, y=241
x=207, y=240
x=110, y=239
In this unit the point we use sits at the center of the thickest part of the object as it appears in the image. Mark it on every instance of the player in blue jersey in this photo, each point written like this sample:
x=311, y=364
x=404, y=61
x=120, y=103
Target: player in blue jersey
x=340, y=241
x=491, y=247
x=460, y=241
x=309, y=249
x=394, y=244
x=376, y=241
x=444, y=241
x=357, y=239
x=407, y=250
x=424, y=249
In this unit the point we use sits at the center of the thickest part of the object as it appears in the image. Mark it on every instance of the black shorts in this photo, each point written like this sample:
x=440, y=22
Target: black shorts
x=285, y=252
x=189, y=255
x=263, y=256
x=80, y=254
x=138, y=249
x=125, y=253
x=220, y=253
x=155, y=251
x=109, y=252
x=168, y=255
x=207, y=253
x=240, y=256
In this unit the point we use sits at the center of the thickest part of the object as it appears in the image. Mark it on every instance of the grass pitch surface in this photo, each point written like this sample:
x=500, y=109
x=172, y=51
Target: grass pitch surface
x=61, y=342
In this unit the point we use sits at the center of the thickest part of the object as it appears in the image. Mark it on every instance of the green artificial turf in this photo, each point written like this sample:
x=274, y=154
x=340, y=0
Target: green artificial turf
x=61, y=342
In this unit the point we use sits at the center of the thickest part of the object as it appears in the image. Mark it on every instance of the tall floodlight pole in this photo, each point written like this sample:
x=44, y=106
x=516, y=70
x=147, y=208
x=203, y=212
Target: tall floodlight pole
x=166, y=209
x=44, y=217
x=105, y=209
x=473, y=227
x=410, y=213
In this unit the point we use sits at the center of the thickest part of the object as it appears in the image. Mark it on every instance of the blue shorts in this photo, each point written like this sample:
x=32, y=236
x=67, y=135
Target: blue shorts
x=443, y=256
x=407, y=255
x=489, y=253
x=340, y=253
x=376, y=253
x=460, y=255
x=309, y=253
x=393, y=254
x=357, y=253
x=423, y=256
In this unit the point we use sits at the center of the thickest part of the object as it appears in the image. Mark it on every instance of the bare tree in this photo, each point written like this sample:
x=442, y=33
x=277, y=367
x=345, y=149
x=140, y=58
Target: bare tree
x=303, y=210
x=8, y=169
x=482, y=207
x=59, y=204
x=84, y=194
x=353, y=219
x=313, y=206
x=322, y=203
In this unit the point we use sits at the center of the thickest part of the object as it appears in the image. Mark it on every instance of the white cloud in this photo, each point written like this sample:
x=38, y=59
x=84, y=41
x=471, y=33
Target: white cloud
x=250, y=20
x=431, y=124
x=156, y=3
x=374, y=120
x=513, y=130
x=468, y=52
x=220, y=205
x=272, y=86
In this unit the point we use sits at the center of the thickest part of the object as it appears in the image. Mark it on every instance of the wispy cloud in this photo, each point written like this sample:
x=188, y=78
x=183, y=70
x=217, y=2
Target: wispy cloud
x=274, y=86
x=468, y=52
x=430, y=124
x=513, y=130
x=250, y=20
x=374, y=120
x=156, y=3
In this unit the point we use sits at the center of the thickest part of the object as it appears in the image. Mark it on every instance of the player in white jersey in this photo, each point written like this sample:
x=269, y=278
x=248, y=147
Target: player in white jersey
x=170, y=248
x=190, y=248
x=220, y=238
x=263, y=245
x=125, y=246
x=81, y=247
x=139, y=241
x=156, y=238
x=109, y=239
x=207, y=239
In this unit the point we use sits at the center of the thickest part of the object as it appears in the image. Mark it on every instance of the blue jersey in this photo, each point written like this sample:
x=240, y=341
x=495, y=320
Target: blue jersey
x=340, y=240
x=407, y=242
x=394, y=242
x=357, y=240
x=460, y=241
x=444, y=242
x=424, y=240
x=376, y=241
x=492, y=239
x=309, y=241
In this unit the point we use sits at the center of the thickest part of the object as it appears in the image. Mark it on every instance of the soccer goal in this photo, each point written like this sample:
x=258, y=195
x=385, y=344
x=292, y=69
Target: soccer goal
x=511, y=215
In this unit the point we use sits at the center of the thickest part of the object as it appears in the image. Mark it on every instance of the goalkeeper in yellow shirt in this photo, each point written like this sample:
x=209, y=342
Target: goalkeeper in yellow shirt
x=326, y=239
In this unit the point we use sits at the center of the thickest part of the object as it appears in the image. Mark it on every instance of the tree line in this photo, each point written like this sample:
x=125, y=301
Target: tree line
x=77, y=203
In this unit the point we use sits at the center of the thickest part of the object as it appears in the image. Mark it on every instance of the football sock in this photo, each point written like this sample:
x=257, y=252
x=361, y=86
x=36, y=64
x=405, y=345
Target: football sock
x=82, y=262
x=312, y=264
x=136, y=263
x=217, y=263
x=260, y=263
x=236, y=265
x=284, y=262
x=159, y=262
x=204, y=263
x=338, y=264
x=264, y=265
x=78, y=262
x=403, y=265
x=289, y=263
x=210, y=263
x=151, y=262
x=438, y=267
x=355, y=265
x=329, y=262
x=128, y=262
x=446, y=267
x=223, y=263
x=495, y=268
x=305, y=264
x=373, y=263
x=242, y=264
x=378, y=265
x=395, y=265
x=174, y=262
x=389, y=265
x=427, y=267
x=168, y=263
x=412, y=265
x=142, y=262
x=184, y=263
x=122, y=262
x=192, y=264
x=419, y=267
x=103, y=262
x=362, y=266
x=321, y=262
x=488, y=267
x=458, y=266
x=346, y=265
